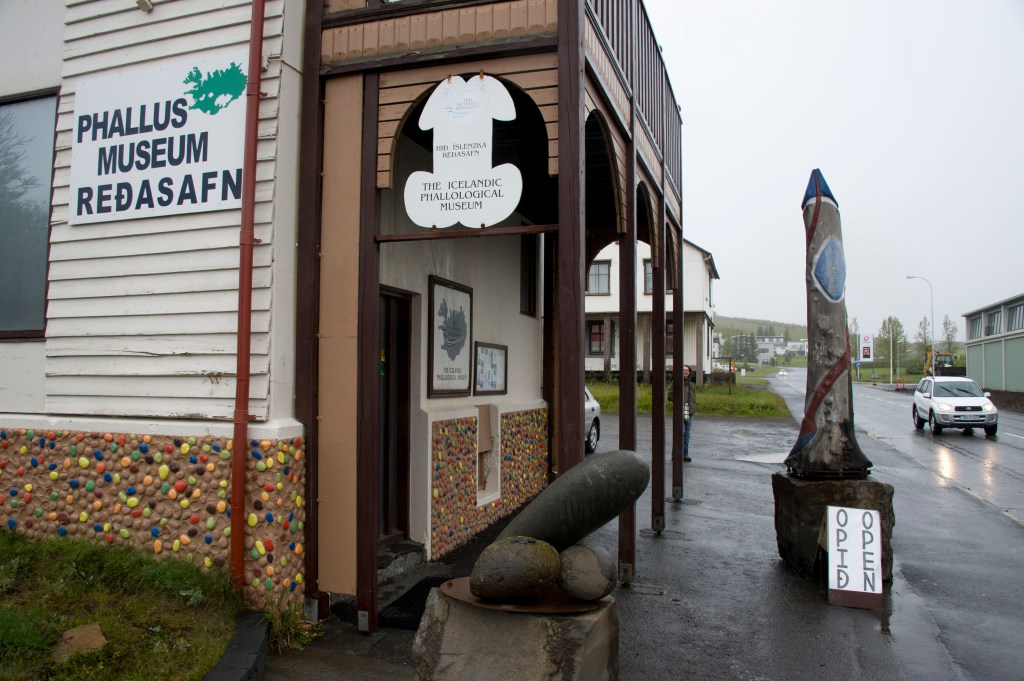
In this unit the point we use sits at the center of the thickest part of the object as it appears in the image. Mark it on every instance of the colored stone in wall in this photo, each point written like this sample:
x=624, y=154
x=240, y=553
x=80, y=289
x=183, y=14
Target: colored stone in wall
x=164, y=494
x=455, y=516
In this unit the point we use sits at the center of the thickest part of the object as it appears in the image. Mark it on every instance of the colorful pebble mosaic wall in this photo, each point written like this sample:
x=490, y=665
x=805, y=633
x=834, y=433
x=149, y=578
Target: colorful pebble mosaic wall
x=168, y=495
x=524, y=473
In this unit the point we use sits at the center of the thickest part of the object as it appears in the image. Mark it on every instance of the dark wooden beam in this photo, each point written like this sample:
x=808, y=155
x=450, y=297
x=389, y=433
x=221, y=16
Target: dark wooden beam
x=308, y=284
x=464, y=233
x=658, y=370
x=571, y=221
x=627, y=343
x=447, y=54
x=382, y=9
x=678, y=359
x=368, y=389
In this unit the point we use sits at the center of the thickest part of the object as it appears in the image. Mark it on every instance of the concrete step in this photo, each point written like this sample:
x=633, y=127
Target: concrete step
x=397, y=559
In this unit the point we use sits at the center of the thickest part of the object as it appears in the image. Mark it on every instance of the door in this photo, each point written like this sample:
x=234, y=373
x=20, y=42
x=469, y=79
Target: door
x=395, y=331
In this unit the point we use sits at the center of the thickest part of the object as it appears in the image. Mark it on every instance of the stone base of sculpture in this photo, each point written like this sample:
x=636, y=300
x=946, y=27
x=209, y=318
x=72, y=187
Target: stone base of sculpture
x=457, y=641
x=800, y=507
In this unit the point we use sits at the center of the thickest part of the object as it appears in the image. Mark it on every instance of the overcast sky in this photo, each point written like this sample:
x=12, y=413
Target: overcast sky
x=912, y=109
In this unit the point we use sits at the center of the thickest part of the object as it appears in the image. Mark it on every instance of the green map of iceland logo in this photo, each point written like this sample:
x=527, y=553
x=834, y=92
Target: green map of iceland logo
x=453, y=330
x=217, y=90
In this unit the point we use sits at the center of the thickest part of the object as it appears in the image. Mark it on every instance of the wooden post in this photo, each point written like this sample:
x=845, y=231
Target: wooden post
x=827, y=445
x=570, y=378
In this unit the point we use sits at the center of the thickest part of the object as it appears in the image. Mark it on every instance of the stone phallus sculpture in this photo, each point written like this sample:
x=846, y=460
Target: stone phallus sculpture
x=517, y=566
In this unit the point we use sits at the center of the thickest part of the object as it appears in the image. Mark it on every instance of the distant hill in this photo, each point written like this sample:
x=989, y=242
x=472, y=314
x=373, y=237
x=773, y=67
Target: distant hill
x=727, y=327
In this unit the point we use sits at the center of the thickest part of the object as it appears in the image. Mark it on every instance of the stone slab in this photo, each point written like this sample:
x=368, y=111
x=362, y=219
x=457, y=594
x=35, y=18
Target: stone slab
x=87, y=638
x=800, y=507
x=460, y=642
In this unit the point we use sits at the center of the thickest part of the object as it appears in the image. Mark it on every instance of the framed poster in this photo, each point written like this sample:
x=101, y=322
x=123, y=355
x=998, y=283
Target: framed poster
x=450, y=334
x=491, y=374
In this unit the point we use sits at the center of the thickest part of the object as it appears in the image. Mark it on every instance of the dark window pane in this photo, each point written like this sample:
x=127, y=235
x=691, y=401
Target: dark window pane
x=598, y=278
x=528, y=274
x=595, y=338
x=26, y=161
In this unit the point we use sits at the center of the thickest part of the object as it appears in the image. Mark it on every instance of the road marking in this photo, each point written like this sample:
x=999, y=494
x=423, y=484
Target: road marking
x=1012, y=435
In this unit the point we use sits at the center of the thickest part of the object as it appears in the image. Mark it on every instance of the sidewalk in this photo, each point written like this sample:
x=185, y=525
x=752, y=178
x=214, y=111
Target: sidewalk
x=713, y=600
x=385, y=655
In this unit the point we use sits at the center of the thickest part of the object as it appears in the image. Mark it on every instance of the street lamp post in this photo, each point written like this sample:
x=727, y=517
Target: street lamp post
x=931, y=296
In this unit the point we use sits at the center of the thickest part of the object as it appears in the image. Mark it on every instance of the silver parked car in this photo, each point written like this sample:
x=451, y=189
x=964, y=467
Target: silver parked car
x=591, y=421
x=953, y=402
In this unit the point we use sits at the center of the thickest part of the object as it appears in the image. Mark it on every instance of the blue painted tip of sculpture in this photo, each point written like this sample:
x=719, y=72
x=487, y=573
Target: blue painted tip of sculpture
x=817, y=184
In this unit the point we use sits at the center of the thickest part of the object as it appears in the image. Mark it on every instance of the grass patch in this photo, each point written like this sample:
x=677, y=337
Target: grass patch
x=162, y=619
x=746, y=399
x=289, y=628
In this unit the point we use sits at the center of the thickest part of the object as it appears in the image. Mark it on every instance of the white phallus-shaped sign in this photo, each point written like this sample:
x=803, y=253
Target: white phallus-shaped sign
x=464, y=187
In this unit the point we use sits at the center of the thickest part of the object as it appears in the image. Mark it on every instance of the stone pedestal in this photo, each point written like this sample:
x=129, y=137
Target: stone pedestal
x=461, y=642
x=800, y=507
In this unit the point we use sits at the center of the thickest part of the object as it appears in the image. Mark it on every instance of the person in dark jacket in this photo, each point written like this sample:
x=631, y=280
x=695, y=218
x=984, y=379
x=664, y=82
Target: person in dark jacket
x=690, y=407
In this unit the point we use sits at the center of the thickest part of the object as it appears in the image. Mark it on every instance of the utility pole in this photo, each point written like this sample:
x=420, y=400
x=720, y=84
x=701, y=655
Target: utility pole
x=931, y=332
x=890, y=359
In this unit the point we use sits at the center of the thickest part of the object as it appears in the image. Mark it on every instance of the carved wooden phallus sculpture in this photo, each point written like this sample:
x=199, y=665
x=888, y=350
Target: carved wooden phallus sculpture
x=827, y=445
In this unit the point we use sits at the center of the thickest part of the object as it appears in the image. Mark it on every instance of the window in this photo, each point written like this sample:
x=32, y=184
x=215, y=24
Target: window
x=994, y=322
x=1015, y=318
x=26, y=168
x=598, y=282
x=648, y=277
x=528, y=255
x=975, y=328
x=595, y=338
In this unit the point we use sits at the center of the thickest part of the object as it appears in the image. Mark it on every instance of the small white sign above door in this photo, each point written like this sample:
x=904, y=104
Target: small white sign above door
x=464, y=187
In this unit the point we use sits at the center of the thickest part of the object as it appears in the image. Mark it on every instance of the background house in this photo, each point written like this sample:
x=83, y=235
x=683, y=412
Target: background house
x=797, y=348
x=768, y=347
x=603, y=305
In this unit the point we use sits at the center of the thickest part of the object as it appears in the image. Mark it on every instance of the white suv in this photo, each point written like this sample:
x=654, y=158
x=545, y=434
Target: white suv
x=953, y=402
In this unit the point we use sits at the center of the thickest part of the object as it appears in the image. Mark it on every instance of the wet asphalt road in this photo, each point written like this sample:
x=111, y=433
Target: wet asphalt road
x=713, y=600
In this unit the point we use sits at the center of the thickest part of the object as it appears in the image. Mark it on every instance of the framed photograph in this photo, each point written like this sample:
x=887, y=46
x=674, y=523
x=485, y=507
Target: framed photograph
x=491, y=374
x=450, y=334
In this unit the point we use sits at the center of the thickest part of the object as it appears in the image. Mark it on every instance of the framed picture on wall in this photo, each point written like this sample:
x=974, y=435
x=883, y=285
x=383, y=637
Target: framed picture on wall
x=491, y=372
x=450, y=334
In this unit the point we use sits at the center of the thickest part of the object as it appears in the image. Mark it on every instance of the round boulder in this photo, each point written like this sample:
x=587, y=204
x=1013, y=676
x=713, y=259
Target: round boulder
x=588, y=572
x=515, y=569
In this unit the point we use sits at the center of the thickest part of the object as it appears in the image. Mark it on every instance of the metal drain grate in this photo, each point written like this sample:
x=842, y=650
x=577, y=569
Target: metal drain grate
x=406, y=610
